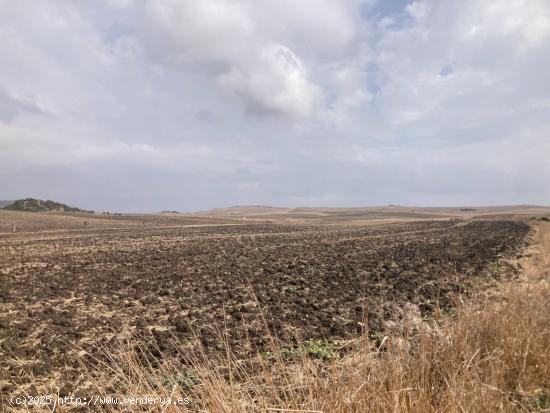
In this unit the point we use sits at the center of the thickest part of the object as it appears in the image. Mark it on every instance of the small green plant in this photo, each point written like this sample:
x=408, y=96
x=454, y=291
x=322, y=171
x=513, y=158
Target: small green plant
x=186, y=379
x=464, y=286
x=319, y=349
x=289, y=352
x=120, y=385
x=542, y=401
x=447, y=312
x=537, y=403
x=494, y=268
x=427, y=317
x=292, y=289
x=376, y=335
x=348, y=321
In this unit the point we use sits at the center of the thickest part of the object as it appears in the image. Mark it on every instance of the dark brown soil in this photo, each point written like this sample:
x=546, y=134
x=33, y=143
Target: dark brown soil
x=62, y=295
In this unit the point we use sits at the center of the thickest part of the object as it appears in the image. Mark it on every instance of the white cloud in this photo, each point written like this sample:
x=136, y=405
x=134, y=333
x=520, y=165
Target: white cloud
x=366, y=99
x=418, y=9
x=196, y=31
x=239, y=44
x=278, y=84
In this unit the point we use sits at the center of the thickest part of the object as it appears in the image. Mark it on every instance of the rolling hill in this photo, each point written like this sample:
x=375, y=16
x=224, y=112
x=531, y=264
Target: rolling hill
x=38, y=205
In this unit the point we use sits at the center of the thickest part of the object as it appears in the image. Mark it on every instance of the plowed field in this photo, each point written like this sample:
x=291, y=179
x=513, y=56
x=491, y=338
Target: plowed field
x=66, y=293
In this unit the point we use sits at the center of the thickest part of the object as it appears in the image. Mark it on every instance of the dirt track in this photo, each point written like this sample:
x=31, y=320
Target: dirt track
x=66, y=294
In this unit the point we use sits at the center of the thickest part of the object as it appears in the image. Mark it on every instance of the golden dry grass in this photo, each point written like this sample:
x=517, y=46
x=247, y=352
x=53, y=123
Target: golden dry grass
x=494, y=356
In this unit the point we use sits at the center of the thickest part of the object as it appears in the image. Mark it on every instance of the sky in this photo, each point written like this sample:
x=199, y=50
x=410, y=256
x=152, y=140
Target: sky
x=149, y=105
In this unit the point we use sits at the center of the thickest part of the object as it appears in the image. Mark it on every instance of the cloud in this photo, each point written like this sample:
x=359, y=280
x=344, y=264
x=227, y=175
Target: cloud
x=278, y=84
x=197, y=32
x=318, y=101
x=238, y=44
x=417, y=9
x=12, y=106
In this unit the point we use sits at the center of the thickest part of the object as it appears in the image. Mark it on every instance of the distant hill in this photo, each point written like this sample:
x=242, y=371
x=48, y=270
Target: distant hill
x=5, y=203
x=383, y=212
x=38, y=205
x=245, y=210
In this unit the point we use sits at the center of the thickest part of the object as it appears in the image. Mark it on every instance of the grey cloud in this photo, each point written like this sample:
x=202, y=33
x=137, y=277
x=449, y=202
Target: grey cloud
x=280, y=84
x=11, y=106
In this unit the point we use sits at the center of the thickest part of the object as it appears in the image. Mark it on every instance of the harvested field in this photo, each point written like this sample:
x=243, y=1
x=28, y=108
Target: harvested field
x=54, y=222
x=67, y=293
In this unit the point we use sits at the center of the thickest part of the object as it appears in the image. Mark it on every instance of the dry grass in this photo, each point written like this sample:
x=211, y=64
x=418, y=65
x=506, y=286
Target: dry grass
x=492, y=354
